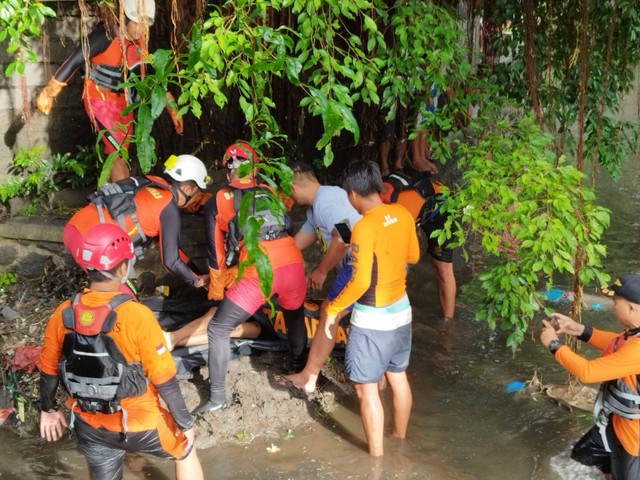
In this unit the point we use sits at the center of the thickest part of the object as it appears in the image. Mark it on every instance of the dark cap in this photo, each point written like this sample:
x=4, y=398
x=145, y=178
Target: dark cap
x=626, y=286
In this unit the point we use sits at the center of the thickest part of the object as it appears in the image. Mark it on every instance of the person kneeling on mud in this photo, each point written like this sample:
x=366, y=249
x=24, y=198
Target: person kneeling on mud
x=613, y=444
x=109, y=352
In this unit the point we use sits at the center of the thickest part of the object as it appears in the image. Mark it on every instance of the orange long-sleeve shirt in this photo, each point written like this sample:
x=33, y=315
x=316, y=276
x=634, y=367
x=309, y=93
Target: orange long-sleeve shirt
x=383, y=242
x=139, y=338
x=624, y=363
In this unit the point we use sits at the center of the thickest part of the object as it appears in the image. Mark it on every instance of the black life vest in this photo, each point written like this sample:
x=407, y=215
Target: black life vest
x=119, y=200
x=93, y=370
x=274, y=224
x=616, y=396
x=430, y=191
x=106, y=76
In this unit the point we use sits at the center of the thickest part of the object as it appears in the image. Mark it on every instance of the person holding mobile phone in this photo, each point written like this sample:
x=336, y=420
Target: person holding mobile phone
x=329, y=219
x=613, y=443
x=344, y=232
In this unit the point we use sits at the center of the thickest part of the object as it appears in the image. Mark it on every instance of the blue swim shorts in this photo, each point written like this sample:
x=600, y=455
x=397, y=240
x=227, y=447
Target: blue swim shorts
x=371, y=353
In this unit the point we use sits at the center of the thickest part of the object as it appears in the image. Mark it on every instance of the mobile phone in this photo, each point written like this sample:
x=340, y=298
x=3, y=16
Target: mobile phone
x=554, y=323
x=344, y=232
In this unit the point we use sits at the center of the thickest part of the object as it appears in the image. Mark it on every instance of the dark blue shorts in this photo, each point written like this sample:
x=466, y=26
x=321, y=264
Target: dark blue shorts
x=371, y=353
x=339, y=283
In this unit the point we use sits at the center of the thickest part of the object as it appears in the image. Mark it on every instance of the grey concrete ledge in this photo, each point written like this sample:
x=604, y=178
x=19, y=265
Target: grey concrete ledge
x=38, y=228
x=48, y=228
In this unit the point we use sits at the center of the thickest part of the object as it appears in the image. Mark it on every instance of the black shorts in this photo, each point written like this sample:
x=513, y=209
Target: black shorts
x=105, y=450
x=590, y=451
x=440, y=252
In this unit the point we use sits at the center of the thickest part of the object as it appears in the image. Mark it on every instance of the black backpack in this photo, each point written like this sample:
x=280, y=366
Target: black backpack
x=272, y=227
x=118, y=199
x=93, y=370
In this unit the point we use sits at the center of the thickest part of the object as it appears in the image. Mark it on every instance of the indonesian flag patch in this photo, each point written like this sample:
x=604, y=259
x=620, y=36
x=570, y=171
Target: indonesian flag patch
x=160, y=349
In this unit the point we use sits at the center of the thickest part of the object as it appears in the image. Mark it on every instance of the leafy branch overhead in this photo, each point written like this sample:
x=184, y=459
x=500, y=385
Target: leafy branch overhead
x=20, y=21
x=343, y=61
x=531, y=213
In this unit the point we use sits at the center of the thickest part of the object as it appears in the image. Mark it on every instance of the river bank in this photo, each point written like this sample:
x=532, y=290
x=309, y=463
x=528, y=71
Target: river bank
x=259, y=405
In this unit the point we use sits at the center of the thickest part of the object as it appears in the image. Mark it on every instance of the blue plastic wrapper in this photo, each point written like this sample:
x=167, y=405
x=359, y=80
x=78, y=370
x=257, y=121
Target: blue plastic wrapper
x=553, y=295
x=512, y=387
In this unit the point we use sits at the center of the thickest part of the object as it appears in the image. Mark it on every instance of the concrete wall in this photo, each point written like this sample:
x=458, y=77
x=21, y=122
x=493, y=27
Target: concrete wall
x=67, y=125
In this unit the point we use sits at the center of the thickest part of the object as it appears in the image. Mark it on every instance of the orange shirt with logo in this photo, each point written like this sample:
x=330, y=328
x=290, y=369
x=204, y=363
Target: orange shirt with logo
x=624, y=363
x=383, y=242
x=139, y=338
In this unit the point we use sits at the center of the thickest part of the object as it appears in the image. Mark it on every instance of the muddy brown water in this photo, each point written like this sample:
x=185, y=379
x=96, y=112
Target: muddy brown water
x=464, y=424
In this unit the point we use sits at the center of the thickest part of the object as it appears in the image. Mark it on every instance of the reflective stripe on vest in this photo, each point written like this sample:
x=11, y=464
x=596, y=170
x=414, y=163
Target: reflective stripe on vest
x=106, y=76
x=616, y=396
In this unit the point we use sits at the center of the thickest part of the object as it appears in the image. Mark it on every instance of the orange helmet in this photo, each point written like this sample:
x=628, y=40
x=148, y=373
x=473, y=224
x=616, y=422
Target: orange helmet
x=237, y=154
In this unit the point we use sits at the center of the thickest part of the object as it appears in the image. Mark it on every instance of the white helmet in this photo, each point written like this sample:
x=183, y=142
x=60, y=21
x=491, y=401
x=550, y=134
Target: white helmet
x=135, y=10
x=187, y=167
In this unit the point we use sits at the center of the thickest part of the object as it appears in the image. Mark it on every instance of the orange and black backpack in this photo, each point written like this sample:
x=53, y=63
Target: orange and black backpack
x=429, y=190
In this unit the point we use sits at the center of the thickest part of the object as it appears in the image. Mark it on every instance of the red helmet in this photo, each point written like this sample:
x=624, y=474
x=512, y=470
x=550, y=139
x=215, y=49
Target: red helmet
x=102, y=247
x=238, y=153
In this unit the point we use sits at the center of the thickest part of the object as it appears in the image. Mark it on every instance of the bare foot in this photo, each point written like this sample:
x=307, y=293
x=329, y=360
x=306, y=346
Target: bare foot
x=303, y=381
x=425, y=166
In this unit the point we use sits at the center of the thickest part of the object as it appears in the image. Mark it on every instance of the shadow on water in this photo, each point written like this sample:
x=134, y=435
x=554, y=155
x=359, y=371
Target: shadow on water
x=464, y=424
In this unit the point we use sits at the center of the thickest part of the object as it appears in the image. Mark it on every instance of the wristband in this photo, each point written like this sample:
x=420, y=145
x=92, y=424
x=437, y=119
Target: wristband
x=554, y=345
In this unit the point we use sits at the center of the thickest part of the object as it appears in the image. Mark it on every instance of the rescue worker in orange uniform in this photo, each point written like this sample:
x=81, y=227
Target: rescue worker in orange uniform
x=613, y=444
x=110, y=355
x=244, y=297
x=157, y=214
x=383, y=243
x=109, y=54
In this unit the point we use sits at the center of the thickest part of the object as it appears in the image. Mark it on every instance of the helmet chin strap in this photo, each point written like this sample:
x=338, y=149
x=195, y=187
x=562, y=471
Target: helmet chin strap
x=178, y=188
x=127, y=274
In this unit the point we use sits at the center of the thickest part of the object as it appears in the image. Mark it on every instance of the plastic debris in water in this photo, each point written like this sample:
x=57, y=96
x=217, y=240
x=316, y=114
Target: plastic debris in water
x=288, y=435
x=273, y=449
x=554, y=294
x=597, y=307
x=512, y=387
x=5, y=413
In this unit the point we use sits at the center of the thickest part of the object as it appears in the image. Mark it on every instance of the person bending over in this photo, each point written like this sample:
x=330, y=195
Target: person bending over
x=155, y=212
x=328, y=206
x=243, y=297
x=613, y=444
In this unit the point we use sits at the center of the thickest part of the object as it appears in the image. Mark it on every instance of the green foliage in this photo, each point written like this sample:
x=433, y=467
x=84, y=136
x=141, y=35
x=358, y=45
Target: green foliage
x=21, y=20
x=7, y=278
x=613, y=54
x=236, y=49
x=425, y=54
x=36, y=178
x=530, y=211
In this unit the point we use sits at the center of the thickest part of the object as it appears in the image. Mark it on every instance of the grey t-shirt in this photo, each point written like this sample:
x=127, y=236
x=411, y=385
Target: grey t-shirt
x=330, y=206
